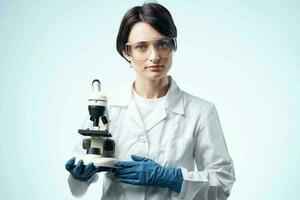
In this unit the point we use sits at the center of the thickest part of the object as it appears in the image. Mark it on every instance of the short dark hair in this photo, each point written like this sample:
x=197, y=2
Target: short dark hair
x=154, y=14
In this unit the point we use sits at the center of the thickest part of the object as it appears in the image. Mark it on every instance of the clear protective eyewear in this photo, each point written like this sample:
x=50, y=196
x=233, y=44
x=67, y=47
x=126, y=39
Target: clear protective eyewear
x=141, y=50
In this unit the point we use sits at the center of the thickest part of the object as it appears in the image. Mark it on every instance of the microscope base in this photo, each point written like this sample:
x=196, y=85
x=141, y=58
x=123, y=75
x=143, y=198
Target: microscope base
x=99, y=161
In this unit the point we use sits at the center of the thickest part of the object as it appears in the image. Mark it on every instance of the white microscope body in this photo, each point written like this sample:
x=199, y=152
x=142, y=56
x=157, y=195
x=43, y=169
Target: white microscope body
x=99, y=147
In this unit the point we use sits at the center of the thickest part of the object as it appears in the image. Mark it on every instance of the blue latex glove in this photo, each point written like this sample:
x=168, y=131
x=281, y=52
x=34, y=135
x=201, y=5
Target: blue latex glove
x=80, y=171
x=144, y=171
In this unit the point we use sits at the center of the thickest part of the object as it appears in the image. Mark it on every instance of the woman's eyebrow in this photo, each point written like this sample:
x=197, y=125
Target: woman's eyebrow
x=137, y=42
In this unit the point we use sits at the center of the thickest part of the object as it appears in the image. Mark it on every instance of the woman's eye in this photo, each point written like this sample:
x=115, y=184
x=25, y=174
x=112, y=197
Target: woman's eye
x=163, y=44
x=140, y=46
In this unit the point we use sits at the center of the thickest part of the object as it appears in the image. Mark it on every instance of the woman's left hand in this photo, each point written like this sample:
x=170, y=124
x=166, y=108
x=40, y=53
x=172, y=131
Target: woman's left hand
x=144, y=171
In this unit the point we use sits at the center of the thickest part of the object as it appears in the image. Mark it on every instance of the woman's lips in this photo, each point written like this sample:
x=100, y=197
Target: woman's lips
x=154, y=68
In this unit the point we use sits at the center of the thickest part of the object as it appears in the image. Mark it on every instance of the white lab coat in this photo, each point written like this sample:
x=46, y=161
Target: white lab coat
x=185, y=134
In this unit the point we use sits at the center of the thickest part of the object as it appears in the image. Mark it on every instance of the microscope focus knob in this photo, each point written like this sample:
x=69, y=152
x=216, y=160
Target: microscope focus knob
x=108, y=145
x=86, y=143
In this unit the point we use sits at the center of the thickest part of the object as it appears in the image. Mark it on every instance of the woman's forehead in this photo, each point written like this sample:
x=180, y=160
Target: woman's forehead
x=142, y=31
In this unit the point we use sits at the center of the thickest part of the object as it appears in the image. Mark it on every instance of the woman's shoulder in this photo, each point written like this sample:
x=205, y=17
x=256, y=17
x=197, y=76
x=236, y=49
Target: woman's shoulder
x=195, y=102
x=189, y=101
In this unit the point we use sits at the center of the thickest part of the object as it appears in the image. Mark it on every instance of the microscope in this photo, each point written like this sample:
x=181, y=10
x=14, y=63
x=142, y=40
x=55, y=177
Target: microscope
x=99, y=146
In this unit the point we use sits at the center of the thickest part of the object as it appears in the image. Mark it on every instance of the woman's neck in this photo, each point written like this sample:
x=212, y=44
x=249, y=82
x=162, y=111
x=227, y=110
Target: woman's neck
x=151, y=89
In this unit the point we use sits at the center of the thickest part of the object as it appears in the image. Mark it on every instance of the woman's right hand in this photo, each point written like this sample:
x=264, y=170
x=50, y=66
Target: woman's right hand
x=80, y=171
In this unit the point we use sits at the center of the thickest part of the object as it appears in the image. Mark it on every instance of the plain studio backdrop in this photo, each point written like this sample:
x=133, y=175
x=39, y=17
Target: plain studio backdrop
x=241, y=55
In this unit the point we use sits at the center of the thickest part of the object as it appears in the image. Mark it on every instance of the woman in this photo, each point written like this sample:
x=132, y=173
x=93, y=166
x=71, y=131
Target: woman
x=161, y=132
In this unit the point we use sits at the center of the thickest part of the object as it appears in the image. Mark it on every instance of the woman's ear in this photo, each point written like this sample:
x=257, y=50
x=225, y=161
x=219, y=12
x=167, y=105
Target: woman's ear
x=128, y=58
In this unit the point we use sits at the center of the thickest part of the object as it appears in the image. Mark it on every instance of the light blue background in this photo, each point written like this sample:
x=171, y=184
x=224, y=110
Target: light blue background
x=241, y=55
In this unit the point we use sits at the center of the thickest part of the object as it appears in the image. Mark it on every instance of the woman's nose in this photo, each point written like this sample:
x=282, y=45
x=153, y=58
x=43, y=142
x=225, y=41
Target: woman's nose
x=154, y=55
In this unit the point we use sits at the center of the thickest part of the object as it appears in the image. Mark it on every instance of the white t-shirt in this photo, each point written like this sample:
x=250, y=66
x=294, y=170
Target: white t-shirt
x=147, y=107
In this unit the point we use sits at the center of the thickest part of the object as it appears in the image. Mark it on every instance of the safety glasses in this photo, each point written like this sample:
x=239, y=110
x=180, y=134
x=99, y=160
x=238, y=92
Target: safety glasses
x=163, y=47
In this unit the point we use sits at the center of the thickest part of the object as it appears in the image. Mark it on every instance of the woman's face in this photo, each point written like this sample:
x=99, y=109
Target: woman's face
x=154, y=66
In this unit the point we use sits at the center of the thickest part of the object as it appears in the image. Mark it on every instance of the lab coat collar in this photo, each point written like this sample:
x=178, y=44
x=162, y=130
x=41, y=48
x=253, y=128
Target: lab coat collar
x=174, y=101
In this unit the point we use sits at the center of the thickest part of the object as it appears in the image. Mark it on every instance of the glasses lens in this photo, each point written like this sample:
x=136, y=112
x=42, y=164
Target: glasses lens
x=164, y=47
x=141, y=50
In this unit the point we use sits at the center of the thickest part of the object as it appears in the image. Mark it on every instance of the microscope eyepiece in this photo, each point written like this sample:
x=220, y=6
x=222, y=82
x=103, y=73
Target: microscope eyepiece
x=96, y=85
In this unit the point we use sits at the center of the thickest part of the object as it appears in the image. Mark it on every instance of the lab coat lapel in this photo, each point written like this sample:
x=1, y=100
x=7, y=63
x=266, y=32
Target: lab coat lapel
x=156, y=116
x=134, y=114
x=175, y=101
x=122, y=97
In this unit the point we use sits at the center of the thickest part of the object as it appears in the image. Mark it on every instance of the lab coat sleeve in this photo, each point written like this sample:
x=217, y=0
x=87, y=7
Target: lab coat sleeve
x=79, y=188
x=215, y=175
